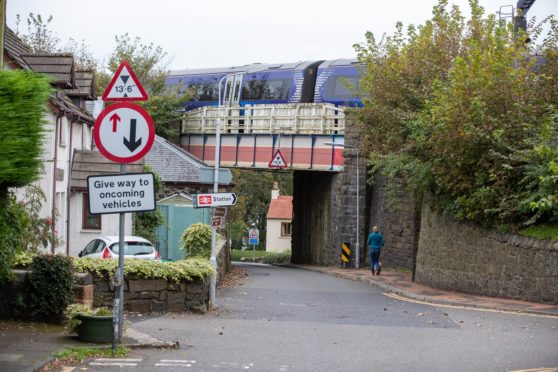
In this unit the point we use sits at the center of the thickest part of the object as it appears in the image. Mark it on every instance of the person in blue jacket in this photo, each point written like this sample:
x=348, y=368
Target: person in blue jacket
x=375, y=244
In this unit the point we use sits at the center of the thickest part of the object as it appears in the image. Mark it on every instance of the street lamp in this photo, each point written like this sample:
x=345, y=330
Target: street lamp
x=357, y=245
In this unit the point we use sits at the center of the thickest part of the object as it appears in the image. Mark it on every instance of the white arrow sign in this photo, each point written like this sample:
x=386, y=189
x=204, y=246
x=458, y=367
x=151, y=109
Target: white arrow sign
x=214, y=200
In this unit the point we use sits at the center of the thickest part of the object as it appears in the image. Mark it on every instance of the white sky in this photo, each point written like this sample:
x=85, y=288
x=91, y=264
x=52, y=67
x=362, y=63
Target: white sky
x=216, y=33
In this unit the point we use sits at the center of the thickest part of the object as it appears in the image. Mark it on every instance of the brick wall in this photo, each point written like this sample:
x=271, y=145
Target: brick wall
x=465, y=258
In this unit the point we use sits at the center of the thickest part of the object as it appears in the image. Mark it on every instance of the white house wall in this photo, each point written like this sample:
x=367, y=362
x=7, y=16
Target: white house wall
x=274, y=241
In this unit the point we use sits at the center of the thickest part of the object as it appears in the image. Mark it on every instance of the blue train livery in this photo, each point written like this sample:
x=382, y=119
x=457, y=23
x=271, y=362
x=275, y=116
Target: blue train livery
x=334, y=81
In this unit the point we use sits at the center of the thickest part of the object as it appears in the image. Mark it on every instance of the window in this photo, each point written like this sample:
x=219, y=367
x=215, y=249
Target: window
x=277, y=89
x=342, y=87
x=203, y=91
x=90, y=221
x=286, y=228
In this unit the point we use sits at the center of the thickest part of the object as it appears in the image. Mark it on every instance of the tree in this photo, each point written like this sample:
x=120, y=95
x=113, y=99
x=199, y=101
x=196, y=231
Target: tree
x=253, y=190
x=457, y=109
x=150, y=67
x=23, y=97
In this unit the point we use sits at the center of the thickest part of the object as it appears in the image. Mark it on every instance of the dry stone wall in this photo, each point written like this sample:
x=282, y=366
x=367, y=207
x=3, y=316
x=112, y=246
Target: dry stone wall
x=465, y=258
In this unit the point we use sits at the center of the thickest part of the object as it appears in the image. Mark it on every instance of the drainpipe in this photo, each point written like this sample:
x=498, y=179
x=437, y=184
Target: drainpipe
x=58, y=123
x=70, y=163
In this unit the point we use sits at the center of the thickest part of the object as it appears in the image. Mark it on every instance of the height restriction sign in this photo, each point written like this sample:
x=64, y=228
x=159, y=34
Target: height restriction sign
x=124, y=132
x=125, y=86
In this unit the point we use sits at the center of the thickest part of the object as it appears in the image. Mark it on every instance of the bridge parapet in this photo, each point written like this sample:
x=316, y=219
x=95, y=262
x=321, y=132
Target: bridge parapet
x=305, y=118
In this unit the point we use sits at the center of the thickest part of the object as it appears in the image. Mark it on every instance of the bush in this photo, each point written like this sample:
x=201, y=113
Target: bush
x=177, y=271
x=50, y=287
x=23, y=259
x=73, y=311
x=541, y=232
x=196, y=241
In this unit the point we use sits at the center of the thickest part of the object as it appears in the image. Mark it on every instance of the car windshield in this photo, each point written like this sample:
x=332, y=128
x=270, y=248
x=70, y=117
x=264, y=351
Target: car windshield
x=133, y=248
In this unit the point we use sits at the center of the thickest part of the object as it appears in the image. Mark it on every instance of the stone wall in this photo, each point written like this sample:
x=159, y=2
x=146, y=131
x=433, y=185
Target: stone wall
x=152, y=295
x=465, y=258
x=398, y=221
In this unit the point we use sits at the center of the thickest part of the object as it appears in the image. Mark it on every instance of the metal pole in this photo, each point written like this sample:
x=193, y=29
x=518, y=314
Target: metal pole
x=119, y=282
x=213, y=258
x=357, y=247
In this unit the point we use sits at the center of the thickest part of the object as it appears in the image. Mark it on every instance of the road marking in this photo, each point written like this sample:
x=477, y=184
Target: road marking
x=553, y=369
x=175, y=363
x=518, y=312
x=116, y=362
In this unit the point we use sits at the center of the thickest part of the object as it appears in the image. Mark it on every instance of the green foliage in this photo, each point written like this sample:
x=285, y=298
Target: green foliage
x=549, y=232
x=11, y=233
x=24, y=259
x=253, y=190
x=23, y=98
x=50, y=288
x=456, y=108
x=145, y=224
x=177, y=271
x=38, y=37
x=79, y=354
x=270, y=258
x=150, y=67
x=73, y=312
x=196, y=241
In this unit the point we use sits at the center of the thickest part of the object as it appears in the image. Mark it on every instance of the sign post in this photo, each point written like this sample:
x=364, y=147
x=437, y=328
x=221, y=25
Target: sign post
x=123, y=133
x=254, y=239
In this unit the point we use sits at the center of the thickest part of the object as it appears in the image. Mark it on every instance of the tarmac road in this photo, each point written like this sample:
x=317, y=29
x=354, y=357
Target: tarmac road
x=289, y=319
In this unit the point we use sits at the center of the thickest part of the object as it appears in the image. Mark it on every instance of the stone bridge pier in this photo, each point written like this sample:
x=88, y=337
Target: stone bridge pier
x=325, y=214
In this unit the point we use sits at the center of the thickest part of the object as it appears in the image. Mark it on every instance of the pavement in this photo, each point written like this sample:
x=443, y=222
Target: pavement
x=30, y=346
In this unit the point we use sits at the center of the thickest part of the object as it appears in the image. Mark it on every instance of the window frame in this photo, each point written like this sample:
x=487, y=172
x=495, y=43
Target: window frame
x=87, y=217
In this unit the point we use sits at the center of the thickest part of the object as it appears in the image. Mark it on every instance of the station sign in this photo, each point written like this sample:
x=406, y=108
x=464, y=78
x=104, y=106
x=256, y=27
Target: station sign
x=214, y=200
x=121, y=193
x=124, y=132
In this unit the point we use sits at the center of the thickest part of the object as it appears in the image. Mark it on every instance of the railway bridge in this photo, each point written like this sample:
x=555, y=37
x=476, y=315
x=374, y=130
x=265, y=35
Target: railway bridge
x=324, y=177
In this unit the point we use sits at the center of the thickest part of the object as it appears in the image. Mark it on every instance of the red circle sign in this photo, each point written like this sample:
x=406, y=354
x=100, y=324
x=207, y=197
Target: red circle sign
x=124, y=132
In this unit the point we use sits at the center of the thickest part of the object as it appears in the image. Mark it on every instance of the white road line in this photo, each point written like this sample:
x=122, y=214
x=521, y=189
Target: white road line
x=177, y=361
x=125, y=360
x=114, y=364
x=173, y=365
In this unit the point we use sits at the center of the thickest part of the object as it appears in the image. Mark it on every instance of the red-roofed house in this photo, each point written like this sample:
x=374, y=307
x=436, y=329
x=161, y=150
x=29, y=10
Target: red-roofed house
x=279, y=220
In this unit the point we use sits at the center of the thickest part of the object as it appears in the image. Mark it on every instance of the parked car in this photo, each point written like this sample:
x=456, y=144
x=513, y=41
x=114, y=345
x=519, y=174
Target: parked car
x=108, y=247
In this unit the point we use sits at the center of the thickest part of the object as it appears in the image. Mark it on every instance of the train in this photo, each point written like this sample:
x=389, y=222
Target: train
x=330, y=81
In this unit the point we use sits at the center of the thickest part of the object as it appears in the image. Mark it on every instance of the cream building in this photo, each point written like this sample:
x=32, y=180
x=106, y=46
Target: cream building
x=279, y=222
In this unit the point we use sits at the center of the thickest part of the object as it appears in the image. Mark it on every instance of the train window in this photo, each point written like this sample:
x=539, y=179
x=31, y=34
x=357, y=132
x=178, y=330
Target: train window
x=236, y=91
x=266, y=89
x=203, y=91
x=227, y=91
x=342, y=87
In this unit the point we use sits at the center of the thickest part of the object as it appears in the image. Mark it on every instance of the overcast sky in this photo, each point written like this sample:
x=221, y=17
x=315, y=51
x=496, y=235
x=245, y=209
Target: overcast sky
x=216, y=33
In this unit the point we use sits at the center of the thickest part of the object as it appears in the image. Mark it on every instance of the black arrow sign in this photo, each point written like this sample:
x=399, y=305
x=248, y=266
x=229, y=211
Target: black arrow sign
x=132, y=144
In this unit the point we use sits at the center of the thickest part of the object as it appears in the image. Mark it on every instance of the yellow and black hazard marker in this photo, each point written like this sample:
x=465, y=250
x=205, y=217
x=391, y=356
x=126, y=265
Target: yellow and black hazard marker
x=345, y=253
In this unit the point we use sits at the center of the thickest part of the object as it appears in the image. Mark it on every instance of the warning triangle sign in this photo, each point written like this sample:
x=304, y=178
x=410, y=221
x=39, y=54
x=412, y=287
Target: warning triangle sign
x=277, y=161
x=125, y=86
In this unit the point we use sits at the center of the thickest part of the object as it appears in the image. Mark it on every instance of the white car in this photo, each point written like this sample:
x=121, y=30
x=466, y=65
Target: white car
x=107, y=247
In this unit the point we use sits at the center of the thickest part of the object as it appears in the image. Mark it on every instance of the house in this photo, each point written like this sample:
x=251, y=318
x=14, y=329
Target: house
x=68, y=130
x=183, y=175
x=279, y=222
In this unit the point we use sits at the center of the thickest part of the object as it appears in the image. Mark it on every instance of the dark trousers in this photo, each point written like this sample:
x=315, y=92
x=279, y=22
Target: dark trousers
x=374, y=259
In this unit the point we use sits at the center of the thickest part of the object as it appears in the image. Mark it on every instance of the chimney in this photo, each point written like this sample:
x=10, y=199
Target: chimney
x=275, y=191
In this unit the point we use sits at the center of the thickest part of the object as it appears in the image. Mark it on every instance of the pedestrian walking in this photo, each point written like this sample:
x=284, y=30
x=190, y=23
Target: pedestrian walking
x=375, y=244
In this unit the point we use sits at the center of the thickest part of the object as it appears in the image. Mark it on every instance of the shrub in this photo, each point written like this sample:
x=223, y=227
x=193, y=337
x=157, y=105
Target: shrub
x=50, y=287
x=24, y=259
x=177, y=271
x=73, y=311
x=196, y=241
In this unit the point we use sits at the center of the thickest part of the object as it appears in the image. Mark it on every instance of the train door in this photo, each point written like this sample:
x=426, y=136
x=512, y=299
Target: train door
x=233, y=87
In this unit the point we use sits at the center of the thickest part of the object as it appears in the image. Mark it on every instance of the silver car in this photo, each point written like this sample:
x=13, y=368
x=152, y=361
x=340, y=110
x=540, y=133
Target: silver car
x=108, y=247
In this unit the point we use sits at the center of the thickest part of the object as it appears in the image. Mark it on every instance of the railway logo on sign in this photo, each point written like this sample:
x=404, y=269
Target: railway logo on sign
x=222, y=199
x=124, y=132
x=278, y=161
x=125, y=86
